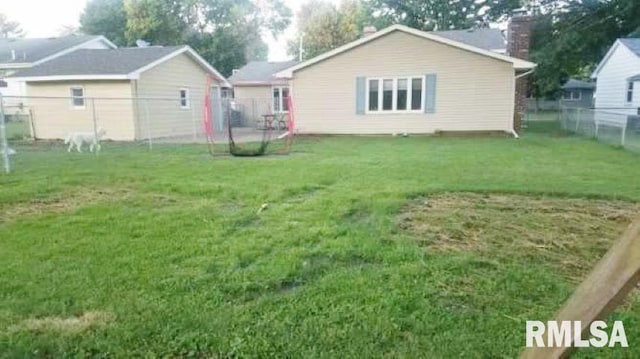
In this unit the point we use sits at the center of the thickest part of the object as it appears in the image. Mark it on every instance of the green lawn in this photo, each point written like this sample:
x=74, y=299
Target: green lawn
x=369, y=247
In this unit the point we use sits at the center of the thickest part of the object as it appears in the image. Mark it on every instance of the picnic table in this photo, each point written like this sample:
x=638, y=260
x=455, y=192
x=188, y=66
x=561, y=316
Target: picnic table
x=273, y=121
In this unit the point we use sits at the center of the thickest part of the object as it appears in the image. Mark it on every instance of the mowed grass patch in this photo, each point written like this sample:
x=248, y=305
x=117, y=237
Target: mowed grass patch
x=568, y=233
x=178, y=255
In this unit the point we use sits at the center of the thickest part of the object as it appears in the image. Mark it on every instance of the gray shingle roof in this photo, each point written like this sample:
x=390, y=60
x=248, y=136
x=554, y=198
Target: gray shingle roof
x=121, y=61
x=633, y=44
x=578, y=84
x=260, y=71
x=484, y=38
x=32, y=50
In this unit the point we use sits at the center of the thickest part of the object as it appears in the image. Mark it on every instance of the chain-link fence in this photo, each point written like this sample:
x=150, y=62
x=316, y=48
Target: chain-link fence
x=97, y=124
x=620, y=127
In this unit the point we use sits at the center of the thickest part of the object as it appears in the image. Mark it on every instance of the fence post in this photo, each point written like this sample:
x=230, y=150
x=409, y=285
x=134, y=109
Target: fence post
x=95, y=125
x=148, y=121
x=3, y=138
x=578, y=119
x=624, y=132
x=195, y=124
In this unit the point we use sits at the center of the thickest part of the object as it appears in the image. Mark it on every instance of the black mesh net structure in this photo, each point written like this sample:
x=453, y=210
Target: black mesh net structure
x=251, y=125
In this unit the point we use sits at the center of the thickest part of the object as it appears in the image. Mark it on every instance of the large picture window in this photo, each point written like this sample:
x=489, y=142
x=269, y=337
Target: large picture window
x=373, y=95
x=395, y=94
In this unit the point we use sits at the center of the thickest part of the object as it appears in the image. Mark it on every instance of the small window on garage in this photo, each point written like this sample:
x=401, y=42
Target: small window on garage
x=184, y=98
x=77, y=97
x=3, y=83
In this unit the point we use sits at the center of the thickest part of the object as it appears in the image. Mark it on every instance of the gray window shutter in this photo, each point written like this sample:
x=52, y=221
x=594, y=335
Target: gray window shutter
x=430, y=93
x=360, y=94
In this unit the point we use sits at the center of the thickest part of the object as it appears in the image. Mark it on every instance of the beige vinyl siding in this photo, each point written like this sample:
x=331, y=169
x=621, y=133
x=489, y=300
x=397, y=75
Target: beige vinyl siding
x=474, y=92
x=54, y=118
x=166, y=117
x=253, y=102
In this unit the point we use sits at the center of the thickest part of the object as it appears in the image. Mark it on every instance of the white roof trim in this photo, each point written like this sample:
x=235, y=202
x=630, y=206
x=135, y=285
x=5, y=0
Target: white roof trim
x=608, y=55
x=74, y=48
x=202, y=62
x=518, y=64
x=15, y=65
x=71, y=78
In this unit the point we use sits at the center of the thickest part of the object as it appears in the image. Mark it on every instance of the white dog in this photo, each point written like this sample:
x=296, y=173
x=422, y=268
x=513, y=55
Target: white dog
x=78, y=138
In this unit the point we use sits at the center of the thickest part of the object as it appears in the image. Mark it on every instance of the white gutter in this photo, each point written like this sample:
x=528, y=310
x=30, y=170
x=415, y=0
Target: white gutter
x=524, y=74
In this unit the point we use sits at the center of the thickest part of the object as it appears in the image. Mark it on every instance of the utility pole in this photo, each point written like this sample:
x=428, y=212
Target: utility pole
x=300, y=49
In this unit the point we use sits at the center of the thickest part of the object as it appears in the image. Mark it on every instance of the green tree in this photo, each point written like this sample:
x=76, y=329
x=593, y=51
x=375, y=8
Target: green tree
x=324, y=26
x=570, y=40
x=107, y=18
x=226, y=33
x=9, y=28
x=160, y=22
x=441, y=14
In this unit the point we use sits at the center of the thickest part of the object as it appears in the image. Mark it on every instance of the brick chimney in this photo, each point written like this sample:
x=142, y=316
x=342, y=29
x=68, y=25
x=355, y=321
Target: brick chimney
x=518, y=41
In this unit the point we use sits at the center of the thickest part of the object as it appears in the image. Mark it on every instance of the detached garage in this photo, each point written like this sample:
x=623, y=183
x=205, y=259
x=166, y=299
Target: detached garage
x=404, y=80
x=133, y=93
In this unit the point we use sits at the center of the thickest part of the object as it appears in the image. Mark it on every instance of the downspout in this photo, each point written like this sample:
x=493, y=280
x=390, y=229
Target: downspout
x=513, y=130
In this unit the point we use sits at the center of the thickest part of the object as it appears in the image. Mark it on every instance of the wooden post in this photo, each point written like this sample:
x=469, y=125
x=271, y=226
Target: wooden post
x=3, y=138
x=613, y=277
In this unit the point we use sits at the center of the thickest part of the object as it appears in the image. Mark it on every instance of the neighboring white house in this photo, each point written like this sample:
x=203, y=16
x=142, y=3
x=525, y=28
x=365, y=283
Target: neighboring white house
x=17, y=54
x=401, y=80
x=618, y=79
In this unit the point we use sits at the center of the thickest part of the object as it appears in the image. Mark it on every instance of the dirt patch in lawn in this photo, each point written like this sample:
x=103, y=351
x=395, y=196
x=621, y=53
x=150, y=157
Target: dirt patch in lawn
x=72, y=325
x=63, y=202
x=570, y=233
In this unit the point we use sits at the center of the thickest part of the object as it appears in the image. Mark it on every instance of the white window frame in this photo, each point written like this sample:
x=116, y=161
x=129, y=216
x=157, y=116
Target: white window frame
x=571, y=97
x=394, y=105
x=627, y=90
x=281, y=100
x=73, y=97
x=187, y=97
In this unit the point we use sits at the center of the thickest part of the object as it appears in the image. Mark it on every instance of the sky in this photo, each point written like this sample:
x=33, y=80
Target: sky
x=45, y=18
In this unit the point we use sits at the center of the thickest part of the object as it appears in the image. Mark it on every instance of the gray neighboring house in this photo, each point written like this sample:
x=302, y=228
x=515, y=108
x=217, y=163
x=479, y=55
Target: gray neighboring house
x=484, y=38
x=255, y=80
x=577, y=93
x=18, y=54
x=257, y=92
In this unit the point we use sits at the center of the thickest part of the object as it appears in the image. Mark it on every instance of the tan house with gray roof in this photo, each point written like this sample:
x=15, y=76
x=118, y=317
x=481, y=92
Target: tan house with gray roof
x=132, y=93
x=18, y=54
x=402, y=80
